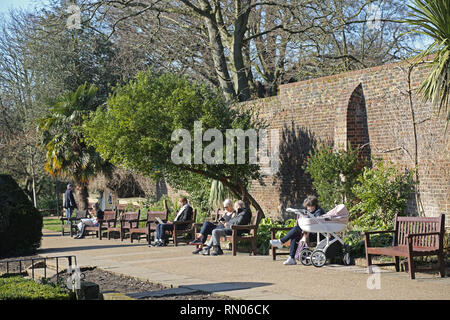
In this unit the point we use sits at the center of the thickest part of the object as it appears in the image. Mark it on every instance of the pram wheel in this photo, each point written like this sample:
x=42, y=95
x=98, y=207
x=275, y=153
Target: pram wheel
x=318, y=258
x=305, y=257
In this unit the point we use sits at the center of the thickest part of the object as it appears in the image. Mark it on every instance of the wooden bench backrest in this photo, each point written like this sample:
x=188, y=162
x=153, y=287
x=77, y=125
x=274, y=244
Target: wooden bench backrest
x=410, y=225
x=127, y=216
x=81, y=214
x=109, y=218
x=151, y=217
x=256, y=219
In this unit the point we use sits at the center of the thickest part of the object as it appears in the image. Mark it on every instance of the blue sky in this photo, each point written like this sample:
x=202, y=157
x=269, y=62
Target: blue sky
x=5, y=5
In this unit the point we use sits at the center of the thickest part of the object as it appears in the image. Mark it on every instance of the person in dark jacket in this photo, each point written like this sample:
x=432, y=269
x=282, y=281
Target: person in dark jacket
x=184, y=214
x=294, y=235
x=69, y=202
x=243, y=217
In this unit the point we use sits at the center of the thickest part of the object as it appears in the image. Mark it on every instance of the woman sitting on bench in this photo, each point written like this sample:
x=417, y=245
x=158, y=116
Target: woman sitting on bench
x=294, y=235
x=97, y=214
x=208, y=227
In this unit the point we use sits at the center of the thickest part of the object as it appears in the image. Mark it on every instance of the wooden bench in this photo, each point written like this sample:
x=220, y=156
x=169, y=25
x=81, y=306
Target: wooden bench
x=150, y=225
x=127, y=221
x=241, y=232
x=80, y=214
x=412, y=237
x=274, y=249
x=183, y=230
x=109, y=220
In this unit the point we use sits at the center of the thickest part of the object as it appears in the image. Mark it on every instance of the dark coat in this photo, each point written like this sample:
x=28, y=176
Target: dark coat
x=186, y=215
x=69, y=200
x=242, y=218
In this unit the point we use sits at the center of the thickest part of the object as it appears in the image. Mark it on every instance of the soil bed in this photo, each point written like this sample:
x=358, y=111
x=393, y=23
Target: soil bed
x=110, y=282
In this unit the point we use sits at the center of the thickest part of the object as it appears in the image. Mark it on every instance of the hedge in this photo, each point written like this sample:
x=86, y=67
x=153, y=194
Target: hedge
x=20, y=222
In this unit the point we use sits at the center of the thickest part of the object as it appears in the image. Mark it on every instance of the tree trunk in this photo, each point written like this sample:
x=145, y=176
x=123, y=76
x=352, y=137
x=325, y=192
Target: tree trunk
x=218, y=56
x=82, y=195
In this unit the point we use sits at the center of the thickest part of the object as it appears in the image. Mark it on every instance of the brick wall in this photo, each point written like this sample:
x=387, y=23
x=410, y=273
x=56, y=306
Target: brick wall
x=370, y=108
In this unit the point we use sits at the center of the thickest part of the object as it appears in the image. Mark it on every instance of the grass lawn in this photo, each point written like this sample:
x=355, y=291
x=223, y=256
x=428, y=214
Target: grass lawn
x=19, y=288
x=52, y=223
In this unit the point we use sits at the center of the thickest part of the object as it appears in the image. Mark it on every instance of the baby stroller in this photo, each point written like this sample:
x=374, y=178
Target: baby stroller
x=328, y=224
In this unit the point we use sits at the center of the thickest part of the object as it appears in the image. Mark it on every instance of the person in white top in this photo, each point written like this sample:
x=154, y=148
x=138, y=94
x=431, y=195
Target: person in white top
x=184, y=214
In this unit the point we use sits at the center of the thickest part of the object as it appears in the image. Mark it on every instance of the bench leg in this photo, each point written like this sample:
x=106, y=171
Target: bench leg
x=369, y=262
x=255, y=248
x=412, y=267
x=441, y=265
x=397, y=264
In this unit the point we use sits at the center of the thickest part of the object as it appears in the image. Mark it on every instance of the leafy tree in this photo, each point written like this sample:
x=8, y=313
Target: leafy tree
x=136, y=127
x=333, y=174
x=432, y=18
x=383, y=192
x=68, y=156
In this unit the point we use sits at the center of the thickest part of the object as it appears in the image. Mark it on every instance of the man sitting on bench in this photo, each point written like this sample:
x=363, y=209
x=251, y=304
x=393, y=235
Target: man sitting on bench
x=243, y=217
x=184, y=214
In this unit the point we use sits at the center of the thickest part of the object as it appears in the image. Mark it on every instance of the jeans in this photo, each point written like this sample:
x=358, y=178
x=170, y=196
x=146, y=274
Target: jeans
x=294, y=235
x=68, y=214
x=207, y=229
x=161, y=230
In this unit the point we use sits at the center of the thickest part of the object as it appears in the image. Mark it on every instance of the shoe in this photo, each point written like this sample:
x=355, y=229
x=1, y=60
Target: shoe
x=160, y=244
x=290, y=261
x=276, y=243
x=205, y=251
x=197, y=251
x=196, y=241
x=217, y=252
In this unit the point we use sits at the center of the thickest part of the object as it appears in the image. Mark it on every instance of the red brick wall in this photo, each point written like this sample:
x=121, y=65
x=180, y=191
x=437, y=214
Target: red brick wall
x=367, y=107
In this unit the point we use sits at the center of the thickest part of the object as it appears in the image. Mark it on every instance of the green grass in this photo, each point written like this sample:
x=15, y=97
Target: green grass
x=51, y=224
x=19, y=288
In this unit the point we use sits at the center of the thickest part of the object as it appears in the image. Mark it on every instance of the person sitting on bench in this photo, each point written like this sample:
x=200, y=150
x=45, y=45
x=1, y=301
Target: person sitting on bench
x=243, y=217
x=208, y=227
x=184, y=214
x=97, y=214
x=311, y=204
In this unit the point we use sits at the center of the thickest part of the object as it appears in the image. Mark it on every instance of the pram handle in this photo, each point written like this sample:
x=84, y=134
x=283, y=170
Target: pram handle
x=297, y=211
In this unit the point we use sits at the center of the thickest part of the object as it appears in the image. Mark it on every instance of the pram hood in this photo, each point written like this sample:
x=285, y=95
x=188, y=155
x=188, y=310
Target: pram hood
x=334, y=220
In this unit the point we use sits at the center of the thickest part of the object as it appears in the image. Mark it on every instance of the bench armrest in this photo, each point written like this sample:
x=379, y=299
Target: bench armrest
x=411, y=235
x=280, y=229
x=177, y=223
x=376, y=232
x=243, y=227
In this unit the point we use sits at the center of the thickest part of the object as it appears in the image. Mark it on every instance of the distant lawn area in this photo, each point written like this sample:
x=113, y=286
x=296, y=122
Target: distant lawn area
x=52, y=223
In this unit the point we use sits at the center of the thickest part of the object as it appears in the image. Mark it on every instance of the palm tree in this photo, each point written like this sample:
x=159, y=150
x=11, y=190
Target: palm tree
x=432, y=18
x=218, y=193
x=68, y=156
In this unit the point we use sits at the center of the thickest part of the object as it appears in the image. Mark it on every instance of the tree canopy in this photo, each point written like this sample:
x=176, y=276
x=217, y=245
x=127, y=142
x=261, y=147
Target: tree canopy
x=136, y=129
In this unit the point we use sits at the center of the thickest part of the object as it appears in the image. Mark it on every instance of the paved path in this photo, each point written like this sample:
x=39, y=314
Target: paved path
x=242, y=276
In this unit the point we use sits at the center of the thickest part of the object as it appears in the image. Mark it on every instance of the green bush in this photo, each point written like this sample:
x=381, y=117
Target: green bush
x=20, y=222
x=19, y=288
x=334, y=174
x=383, y=192
x=355, y=240
x=264, y=227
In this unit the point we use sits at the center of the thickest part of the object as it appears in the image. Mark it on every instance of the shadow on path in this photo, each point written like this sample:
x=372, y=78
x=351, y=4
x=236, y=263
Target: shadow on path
x=208, y=288
x=225, y=286
x=87, y=247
